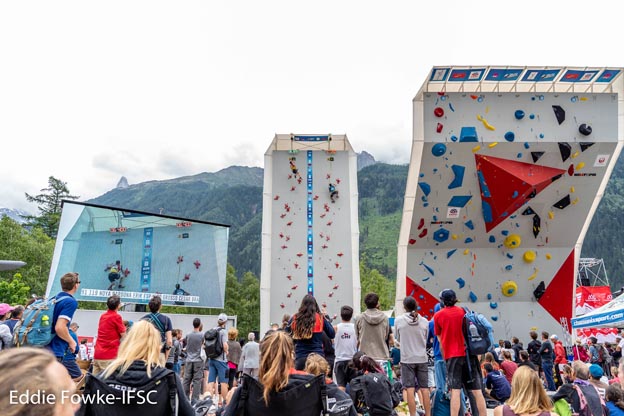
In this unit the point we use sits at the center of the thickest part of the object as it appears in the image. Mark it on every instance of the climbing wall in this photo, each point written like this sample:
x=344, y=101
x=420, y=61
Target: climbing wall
x=507, y=168
x=309, y=242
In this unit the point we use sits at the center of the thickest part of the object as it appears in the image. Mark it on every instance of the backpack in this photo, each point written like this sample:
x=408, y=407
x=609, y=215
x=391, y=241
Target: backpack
x=601, y=354
x=476, y=333
x=213, y=345
x=35, y=327
x=440, y=403
x=158, y=397
x=153, y=318
x=584, y=409
x=373, y=394
x=305, y=395
x=562, y=407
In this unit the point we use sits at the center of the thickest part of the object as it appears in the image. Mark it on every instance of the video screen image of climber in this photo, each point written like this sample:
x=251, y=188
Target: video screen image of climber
x=138, y=255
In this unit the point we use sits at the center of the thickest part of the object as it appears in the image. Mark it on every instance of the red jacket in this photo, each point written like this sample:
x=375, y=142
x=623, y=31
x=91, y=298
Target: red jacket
x=560, y=354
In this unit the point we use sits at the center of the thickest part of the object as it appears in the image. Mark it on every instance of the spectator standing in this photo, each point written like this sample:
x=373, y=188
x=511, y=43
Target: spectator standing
x=193, y=364
x=16, y=315
x=580, y=352
x=463, y=370
x=372, y=330
x=6, y=337
x=561, y=359
x=110, y=331
x=516, y=346
x=217, y=367
x=547, y=355
x=63, y=345
x=234, y=355
x=345, y=346
x=163, y=324
x=174, y=354
x=533, y=350
x=412, y=330
x=250, y=356
x=307, y=327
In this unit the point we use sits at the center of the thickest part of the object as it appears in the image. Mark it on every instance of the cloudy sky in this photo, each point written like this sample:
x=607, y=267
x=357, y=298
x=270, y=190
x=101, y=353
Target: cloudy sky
x=152, y=90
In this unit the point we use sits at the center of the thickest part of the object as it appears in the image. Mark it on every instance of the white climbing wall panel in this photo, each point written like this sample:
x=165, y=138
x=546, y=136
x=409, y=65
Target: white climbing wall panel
x=507, y=168
x=309, y=243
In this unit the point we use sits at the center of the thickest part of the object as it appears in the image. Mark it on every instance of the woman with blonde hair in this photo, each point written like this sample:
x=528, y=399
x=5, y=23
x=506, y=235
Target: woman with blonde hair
x=30, y=371
x=317, y=365
x=277, y=384
x=234, y=354
x=138, y=368
x=528, y=396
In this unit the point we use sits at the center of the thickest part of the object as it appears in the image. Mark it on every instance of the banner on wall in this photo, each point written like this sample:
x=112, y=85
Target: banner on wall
x=589, y=298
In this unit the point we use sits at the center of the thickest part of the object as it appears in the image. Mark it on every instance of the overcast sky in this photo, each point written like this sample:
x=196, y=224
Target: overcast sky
x=152, y=90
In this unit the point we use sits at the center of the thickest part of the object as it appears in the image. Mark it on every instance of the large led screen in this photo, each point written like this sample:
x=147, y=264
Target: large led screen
x=137, y=255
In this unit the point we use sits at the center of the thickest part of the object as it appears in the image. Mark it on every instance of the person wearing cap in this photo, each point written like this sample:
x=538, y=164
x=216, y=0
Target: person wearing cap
x=595, y=374
x=110, y=331
x=218, y=367
x=163, y=324
x=560, y=359
x=6, y=338
x=448, y=326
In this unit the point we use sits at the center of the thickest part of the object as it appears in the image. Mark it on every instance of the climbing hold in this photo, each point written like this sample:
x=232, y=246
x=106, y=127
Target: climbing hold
x=441, y=235
x=575, y=154
x=450, y=253
x=519, y=114
x=466, y=252
x=575, y=201
x=509, y=255
x=485, y=123
x=548, y=256
x=489, y=296
x=439, y=128
x=468, y=134
x=508, y=267
x=472, y=296
x=476, y=149
x=438, y=112
x=412, y=241
x=491, y=145
x=534, y=275
x=563, y=202
x=565, y=149
x=559, y=113
x=492, y=239
x=529, y=256
x=580, y=166
x=585, y=146
x=459, y=201
x=469, y=224
x=494, y=318
x=528, y=211
x=585, y=129
x=551, y=215
x=429, y=269
x=454, y=138
x=571, y=189
x=425, y=187
x=454, y=236
x=509, y=288
x=510, y=136
x=536, y=155
x=461, y=282
x=512, y=241
x=537, y=225
x=459, y=176
x=421, y=223
x=515, y=194
x=468, y=240
x=438, y=149
x=493, y=305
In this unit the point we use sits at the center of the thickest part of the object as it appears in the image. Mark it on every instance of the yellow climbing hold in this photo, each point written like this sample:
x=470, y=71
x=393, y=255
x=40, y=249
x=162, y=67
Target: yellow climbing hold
x=512, y=241
x=571, y=189
x=534, y=275
x=575, y=154
x=580, y=166
x=466, y=252
x=476, y=149
x=548, y=256
x=529, y=256
x=454, y=236
x=509, y=288
x=491, y=145
x=485, y=123
x=551, y=215
x=575, y=201
x=583, y=98
x=533, y=328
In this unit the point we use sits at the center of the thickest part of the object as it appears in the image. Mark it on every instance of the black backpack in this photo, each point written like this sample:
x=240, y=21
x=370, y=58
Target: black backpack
x=213, y=346
x=373, y=393
x=305, y=395
x=475, y=333
x=157, y=397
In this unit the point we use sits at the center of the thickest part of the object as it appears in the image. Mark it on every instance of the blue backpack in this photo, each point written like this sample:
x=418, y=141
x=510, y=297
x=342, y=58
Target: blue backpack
x=35, y=327
x=476, y=333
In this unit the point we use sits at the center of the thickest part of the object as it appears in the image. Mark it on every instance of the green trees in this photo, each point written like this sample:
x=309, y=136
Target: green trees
x=13, y=291
x=373, y=281
x=49, y=206
x=33, y=247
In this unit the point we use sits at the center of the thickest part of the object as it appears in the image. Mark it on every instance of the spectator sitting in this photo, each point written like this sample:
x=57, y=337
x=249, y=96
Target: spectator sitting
x=315, y=365
x=508, y=366
x=580, y=372
x=489, y=358
x=24, y=370
x=496, y=385
x=528, y=396
x=615, y=400
x=139, y=361
x=595, y=374
x=525, y=361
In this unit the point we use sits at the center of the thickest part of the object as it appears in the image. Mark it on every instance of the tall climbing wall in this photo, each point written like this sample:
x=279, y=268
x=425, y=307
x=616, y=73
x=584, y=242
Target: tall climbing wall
x=309, y=236
x=507, y=168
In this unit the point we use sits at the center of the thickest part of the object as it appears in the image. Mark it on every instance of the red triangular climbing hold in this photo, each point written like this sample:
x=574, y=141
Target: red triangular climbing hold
x=557, y=299
x=507, y=184
x=426, y=301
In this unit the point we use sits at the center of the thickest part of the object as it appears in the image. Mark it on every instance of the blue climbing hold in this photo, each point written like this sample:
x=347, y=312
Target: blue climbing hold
x=493, y=305
x=438, y=149
x=469, y=224
x=468, y=134
x=459, y=176
x=492, y=239
x=519, y=114
x=468, y=240
x=441, y=235
x=461, y=282
x=426, y=188
x=508, y=267
x=494, y=318
x=450, y=253
x=510, y=136
x=489, y=296
x=473, y=297
x=454, y=138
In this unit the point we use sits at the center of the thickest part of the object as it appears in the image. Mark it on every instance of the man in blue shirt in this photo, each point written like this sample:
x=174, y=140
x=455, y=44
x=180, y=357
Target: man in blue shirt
x=496, y=385
x=63, y=346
